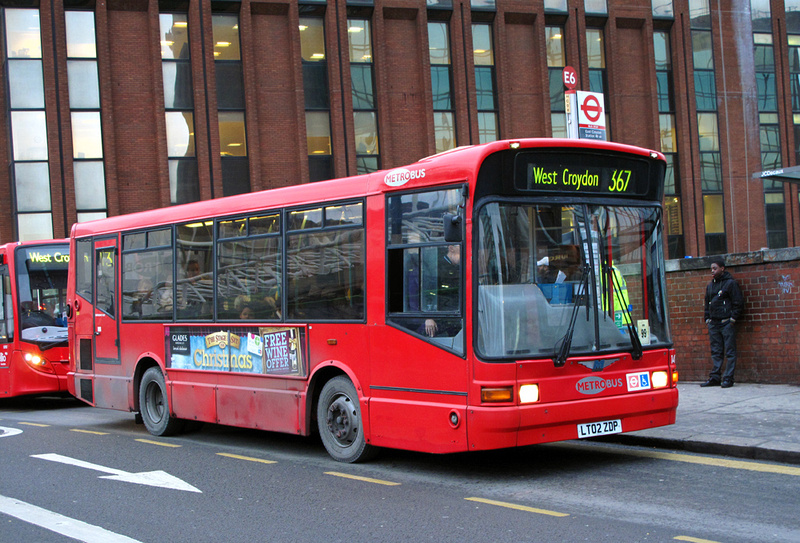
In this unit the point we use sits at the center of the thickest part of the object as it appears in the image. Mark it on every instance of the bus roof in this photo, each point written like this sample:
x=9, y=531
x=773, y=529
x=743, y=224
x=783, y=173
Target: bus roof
x=458, y=164
x=15, y=244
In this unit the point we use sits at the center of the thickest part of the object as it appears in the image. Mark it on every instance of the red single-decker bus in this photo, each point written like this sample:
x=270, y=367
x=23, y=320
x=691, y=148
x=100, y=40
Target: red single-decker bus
x=33, y=324
x=492, y=296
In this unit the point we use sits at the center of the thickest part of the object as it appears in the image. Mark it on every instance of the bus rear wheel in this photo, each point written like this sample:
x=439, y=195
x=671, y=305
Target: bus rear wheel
x=154, y=407
x=340, y=424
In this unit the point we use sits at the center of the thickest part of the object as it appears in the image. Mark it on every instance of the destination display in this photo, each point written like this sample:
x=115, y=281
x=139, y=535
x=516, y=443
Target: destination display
x=44, y=257
x=581, y=174
x=258, y=350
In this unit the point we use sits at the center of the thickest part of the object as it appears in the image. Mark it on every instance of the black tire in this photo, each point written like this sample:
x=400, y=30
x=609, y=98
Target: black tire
x=153, y=405
x=340, y=424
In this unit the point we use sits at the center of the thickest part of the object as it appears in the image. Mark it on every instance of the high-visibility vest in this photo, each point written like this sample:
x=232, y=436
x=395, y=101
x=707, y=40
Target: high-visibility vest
x=622, y=307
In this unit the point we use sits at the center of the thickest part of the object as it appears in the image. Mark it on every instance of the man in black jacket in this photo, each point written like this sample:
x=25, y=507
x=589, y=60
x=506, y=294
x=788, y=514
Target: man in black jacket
x=723, y=307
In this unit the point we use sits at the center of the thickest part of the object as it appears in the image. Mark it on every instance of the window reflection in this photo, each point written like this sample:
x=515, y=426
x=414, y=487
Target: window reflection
x=23, y=33
x=174, y=34
x=90, y=192
x=29, y=135
x=87, y=137
x=32, y=182
x=180, y=133
x=80, y=34
x=84, y=89
x=25, y=84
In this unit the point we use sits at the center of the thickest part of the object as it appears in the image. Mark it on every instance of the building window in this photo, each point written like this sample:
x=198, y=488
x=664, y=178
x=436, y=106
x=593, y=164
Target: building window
x=707, y=127
x=663, y=8
x=595, y=7
x=485, y=86
x=769, y=128
x=184, y=184
x=365, y=114
x=555, y=5
x=556, y=61
x=30, y=170
x=598, y=77
x=441, y=86
x=84, y=103
x=669, y=145
x=230, y=104
x=317, y=103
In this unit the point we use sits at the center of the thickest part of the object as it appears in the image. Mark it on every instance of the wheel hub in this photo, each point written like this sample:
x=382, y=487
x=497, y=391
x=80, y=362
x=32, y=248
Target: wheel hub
x=342, y=421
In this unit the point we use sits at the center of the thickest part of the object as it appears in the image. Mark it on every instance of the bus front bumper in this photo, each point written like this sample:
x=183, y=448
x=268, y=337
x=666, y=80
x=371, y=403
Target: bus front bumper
x=492, y=427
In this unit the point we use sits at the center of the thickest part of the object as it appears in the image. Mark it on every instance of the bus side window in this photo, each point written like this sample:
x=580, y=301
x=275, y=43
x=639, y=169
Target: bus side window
x=425, y=272
x=84, y=269
x=6, y=307
x=106, y=280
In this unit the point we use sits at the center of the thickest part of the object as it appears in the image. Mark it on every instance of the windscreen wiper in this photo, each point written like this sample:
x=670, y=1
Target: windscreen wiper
x=561, y=359
x=636, y=343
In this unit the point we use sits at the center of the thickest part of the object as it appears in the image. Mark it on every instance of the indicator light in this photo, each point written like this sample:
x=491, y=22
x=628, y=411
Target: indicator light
x=497, y=395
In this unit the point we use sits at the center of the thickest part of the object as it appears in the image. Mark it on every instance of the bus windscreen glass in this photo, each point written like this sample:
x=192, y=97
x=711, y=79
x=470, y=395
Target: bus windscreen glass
x=588, y=275
x=41, y=288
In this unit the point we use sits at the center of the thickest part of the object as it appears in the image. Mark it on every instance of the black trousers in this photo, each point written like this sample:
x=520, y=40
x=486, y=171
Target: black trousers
x=722, y=336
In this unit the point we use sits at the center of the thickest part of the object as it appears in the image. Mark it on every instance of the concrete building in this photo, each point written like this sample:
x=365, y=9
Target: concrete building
x=115, y=106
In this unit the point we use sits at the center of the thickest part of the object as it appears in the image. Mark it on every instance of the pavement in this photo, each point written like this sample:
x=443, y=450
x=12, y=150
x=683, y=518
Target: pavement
x=759, y=422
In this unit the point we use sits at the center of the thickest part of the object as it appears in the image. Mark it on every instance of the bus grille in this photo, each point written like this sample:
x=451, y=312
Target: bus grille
x=86, y=390
x=86, y=354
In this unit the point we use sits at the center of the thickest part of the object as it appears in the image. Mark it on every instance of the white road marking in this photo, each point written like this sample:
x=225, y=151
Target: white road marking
x=7, y=432
x=60, y=524
x=151, y=478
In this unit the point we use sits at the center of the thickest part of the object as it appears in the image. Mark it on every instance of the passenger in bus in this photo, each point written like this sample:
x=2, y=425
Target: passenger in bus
x=551, y=282
x=272, y=307
x=246, y=313
x=143, y=296
x=547, y=273
x=448, y=294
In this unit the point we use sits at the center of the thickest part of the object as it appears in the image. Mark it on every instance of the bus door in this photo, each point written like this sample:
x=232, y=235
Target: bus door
x=106, y=318
x=6, y=331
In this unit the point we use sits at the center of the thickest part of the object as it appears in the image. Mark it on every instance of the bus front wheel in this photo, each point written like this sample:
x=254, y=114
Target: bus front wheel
x=153, y=405
x=340, y=423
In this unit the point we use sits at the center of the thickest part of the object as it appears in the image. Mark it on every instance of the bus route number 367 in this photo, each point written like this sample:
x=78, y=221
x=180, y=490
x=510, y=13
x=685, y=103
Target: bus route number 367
x=602, y=428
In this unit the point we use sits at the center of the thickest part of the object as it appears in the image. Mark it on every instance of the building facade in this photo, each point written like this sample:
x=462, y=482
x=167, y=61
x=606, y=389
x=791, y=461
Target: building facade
x=115, y=106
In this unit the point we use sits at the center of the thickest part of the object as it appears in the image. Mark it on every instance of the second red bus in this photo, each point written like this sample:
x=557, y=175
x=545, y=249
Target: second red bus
x=33, y=324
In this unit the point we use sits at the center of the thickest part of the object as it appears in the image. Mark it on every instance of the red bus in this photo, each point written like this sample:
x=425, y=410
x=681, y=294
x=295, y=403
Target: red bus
x=33, y=325
x=493, y=296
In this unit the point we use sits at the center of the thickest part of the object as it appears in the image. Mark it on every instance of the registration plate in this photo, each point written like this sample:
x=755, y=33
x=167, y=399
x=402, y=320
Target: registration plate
x=602, y=428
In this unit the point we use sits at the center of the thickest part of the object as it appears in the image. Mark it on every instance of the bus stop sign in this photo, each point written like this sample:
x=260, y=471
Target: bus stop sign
x=591, y=116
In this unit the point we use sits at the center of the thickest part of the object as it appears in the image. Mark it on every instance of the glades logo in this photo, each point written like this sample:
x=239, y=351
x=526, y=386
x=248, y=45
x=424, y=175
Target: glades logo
x=401, y=176
x=596, y=385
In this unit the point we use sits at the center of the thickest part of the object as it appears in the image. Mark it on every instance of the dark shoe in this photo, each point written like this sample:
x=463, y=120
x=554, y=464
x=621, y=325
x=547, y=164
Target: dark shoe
x=727, y=384
x=710, y=383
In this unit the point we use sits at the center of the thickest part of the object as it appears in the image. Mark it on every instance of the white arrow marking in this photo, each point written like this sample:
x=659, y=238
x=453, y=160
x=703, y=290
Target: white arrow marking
x=7, y=432
x=152, y=478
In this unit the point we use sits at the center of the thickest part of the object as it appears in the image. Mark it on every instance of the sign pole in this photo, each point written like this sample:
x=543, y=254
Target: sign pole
x=570, y=78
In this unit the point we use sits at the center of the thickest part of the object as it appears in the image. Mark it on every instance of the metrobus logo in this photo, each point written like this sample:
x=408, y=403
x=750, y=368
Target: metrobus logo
x=401, y=176
x=596, y=385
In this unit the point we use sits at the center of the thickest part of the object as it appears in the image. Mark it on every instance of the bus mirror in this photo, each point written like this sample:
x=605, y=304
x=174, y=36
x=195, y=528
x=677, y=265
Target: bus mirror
x=452, y=228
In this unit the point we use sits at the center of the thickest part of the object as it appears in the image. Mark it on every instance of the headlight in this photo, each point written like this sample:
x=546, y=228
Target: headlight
x=660, y=379
x=38, y=363
x=528, y=393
